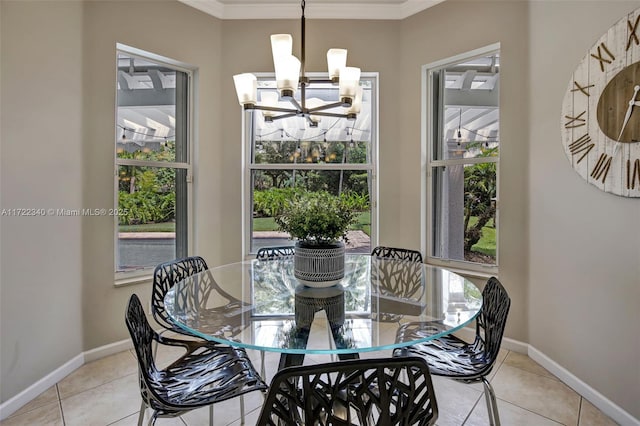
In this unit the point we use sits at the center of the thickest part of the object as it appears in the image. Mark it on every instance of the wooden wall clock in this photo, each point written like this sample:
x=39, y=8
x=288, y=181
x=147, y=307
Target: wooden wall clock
x=601, y=111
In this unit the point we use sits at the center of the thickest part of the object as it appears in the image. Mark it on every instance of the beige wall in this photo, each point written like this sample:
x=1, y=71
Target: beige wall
x=169, y=29
x=468, y=26
x=41, y=156
x=569, y=280
x=584, y=270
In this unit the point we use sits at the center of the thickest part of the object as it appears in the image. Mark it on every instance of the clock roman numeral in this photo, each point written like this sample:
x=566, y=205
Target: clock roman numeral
x=635, y=176
x=581, y=144
x=632, y=32
x=602, y=60
x=601, y=169
x=583, y=89
x=576, y=121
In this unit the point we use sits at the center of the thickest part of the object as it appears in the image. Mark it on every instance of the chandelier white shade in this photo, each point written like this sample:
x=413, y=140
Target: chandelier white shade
x=246, y=88
x=349, y=81
x=291, y=79
x=281, y=45
x=357, y=102
x=336, y=60
x=287, y=75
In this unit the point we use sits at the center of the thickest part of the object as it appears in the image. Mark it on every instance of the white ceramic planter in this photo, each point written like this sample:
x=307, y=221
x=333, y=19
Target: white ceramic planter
x=319, y=266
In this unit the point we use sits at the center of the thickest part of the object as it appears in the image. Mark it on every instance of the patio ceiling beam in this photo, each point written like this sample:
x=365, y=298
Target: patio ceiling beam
x=146, y=97
x=472, y=98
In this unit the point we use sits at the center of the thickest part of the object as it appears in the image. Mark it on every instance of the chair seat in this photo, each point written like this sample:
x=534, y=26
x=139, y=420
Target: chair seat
x=447, y=355
x=450, y=356
x=207, y=374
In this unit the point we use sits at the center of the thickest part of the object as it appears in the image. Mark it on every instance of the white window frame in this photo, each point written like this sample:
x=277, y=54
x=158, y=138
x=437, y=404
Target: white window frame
x=429, y=163
x=146, y=275
x=248, y=166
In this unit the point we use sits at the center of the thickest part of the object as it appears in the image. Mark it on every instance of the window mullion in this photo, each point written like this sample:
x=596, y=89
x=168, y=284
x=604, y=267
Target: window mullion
x=147, y=163
x=464, y=161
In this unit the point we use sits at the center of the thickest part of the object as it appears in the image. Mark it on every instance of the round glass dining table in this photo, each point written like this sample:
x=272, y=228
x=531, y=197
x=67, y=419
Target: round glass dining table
x=259, y=304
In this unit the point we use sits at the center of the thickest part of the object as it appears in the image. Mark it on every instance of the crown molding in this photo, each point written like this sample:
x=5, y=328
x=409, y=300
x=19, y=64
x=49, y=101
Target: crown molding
x=411, y=7
x=343, y=10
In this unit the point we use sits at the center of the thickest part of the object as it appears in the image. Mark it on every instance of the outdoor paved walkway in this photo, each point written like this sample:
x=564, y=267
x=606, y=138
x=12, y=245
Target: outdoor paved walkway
x=359, y=242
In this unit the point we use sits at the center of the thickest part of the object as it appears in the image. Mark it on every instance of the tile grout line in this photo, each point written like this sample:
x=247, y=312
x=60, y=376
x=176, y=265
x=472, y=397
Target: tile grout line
x=482, y=393
x=536, y=374
x=475, y=404
x=94, y=387
x=60, y=405
x=580, y=409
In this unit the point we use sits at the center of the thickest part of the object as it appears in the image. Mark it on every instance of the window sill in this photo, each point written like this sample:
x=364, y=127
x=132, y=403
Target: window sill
x=124, y=280
x=466, y=269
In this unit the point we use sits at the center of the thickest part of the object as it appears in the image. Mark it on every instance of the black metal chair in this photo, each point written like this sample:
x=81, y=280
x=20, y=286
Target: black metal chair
x=271, y=253
x=359, y=392
x=452, y=357
x=396, y=281
x=207, y=373
x=397, y=253
x=166, y=275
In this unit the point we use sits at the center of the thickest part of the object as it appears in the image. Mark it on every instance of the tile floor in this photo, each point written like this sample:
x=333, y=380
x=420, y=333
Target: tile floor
x=105, y=392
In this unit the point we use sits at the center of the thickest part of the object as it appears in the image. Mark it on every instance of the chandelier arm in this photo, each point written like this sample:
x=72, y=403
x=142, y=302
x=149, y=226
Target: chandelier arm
x=275, y=109
x=326, y=106
x=293, y=114
x=295, y=104
x=332, y=114
x=310, y=80
x=312, y=123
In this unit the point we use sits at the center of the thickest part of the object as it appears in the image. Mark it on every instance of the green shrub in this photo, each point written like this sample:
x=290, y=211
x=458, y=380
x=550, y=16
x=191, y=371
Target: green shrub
x=270, y=202
x=316, y=218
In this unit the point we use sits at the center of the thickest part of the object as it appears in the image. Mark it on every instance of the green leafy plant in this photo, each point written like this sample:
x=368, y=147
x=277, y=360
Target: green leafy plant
x=480, y=191
x=317, y=218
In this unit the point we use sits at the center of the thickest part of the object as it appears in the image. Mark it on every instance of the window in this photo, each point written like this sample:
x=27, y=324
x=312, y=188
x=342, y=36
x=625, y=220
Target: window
x=152, y=163
x=463, y=154
x=287, y=155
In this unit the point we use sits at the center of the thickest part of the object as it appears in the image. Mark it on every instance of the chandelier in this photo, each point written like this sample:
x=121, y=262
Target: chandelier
x=291, y=78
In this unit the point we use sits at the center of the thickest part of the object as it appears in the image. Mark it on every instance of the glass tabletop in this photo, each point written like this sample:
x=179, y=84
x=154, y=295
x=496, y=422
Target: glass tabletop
x=259, y=304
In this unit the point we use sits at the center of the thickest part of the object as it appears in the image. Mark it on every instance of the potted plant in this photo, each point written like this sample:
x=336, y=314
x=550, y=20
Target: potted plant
x=319, y=221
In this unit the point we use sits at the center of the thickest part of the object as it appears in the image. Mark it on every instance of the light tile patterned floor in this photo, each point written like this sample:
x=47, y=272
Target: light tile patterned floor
x=105, y=392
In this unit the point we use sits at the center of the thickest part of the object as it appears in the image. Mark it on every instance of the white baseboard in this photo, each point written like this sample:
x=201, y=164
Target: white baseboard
x=12, y=405
x=106, y=350
x=515, y=346
x=605, y=405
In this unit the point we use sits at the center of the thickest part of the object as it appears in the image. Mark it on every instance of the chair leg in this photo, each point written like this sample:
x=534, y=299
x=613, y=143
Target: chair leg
x=141, y=415
x=492, y=404
x=211, y=415
x=152, y=419
x=241, y=409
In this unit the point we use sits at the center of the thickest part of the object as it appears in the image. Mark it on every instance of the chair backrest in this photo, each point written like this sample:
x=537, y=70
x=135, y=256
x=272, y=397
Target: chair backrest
x=142, y=336
x=272, y=253
x=396, y=272
x=389, y=391
x=492, y=319
x=397, y=253
x=165, y=276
